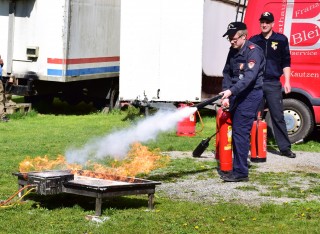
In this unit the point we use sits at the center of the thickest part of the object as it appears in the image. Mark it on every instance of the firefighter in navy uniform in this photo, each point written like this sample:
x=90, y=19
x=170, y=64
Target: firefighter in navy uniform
x=242, y=94
x=278, y=61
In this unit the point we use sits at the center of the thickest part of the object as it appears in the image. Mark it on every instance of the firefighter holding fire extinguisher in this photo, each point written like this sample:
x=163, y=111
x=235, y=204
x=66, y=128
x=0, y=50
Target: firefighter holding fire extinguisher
x=242, y=93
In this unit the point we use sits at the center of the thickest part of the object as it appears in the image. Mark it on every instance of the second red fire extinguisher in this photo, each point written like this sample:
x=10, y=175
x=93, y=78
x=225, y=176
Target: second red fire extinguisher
x=223, y=140
x=187, y=126
x=259, y=140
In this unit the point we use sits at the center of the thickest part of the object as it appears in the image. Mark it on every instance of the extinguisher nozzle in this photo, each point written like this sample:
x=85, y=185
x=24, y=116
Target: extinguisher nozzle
x=207, y=102
x=201, y=148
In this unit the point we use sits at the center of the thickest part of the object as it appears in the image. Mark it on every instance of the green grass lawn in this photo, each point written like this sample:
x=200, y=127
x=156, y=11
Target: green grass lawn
x=51, y=134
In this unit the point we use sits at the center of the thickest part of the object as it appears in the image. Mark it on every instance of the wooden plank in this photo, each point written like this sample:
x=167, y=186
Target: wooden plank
x=18, y=107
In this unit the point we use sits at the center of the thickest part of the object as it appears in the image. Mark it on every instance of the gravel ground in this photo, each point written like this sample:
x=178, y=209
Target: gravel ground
x=213, y=189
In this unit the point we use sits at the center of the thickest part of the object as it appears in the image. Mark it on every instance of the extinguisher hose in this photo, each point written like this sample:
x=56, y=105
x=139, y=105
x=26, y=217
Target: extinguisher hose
x=202, y=146
x=213, y=135
x=202, y=125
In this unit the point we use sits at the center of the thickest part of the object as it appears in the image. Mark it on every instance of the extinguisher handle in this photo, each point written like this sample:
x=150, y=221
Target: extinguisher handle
x=259, y=116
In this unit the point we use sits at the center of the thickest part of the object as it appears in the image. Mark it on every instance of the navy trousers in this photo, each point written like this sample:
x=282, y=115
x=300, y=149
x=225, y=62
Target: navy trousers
x=273, y=95
x=243, y=113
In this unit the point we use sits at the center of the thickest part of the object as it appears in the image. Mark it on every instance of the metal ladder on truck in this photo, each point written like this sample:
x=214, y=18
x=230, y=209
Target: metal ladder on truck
x=242, y=4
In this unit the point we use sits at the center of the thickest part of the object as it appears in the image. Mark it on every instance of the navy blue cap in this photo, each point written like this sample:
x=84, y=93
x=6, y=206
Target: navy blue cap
x=234, y=27
x=268, y=16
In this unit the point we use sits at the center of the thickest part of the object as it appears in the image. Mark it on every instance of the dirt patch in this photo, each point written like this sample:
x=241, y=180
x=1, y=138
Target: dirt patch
x=310, y=169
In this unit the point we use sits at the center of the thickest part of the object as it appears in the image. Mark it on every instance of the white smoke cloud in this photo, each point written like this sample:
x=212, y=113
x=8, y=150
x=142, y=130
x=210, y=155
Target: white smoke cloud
x=117, y=144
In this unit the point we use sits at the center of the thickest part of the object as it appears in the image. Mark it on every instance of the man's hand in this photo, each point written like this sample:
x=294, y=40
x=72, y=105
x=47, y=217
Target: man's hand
x=225, y=103
x=225, y=98
x=225, y=94
x=287, y=87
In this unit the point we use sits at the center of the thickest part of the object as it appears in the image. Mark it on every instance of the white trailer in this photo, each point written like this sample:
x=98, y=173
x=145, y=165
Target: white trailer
x=171, y=50
x=65, y=48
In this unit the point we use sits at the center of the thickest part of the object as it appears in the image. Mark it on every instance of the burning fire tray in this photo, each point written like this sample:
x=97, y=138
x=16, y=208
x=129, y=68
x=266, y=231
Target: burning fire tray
x=96, y=184
x=54, y=182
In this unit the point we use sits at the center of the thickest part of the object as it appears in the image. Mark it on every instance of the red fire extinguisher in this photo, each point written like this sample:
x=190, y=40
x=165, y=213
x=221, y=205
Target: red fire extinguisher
x=259, y=140
x=223, y=140
x=187, y=126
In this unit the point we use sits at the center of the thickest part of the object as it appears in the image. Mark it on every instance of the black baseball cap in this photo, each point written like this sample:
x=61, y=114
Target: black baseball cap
x=268, y=16
x=234, y=27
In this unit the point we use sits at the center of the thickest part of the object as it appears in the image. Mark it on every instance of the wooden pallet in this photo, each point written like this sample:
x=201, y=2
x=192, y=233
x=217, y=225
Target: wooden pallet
x=21, y=107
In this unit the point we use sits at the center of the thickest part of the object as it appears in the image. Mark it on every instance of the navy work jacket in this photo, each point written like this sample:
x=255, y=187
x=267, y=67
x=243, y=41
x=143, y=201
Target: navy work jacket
x=244, y=69
x=277, y=53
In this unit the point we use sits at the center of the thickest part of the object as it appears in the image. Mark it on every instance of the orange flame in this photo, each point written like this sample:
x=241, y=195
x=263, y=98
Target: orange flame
x=42, y=163
x=140, y=160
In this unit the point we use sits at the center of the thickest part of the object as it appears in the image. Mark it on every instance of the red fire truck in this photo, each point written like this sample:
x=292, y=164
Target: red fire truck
x=300, y=22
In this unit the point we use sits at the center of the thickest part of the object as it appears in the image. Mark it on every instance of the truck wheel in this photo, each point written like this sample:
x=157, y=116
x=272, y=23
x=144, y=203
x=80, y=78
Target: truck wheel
x=298, y=117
